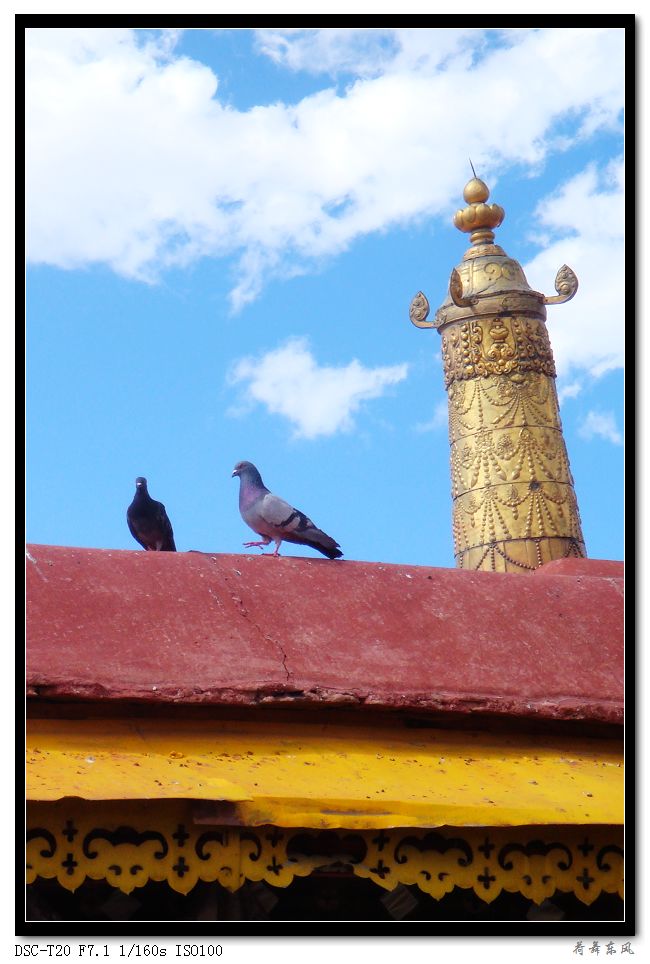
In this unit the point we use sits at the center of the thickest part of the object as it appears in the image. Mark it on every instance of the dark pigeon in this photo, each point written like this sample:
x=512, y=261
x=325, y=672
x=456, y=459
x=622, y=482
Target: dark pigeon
x=148, y=522
x=274, y=519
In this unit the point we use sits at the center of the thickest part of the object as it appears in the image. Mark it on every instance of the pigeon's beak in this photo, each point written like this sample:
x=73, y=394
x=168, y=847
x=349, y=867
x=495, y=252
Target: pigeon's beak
x=235, y=472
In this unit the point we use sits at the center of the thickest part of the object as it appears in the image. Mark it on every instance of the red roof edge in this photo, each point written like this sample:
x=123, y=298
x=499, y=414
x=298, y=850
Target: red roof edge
x=584, y=567
x=256, y=631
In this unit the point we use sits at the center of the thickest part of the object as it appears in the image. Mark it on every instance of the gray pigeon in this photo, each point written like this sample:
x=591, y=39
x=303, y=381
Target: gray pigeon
x=274, y=519
x=148, y=521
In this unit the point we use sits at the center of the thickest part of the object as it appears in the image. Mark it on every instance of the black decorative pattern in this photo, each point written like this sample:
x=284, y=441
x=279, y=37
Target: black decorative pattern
x=486, y=878
x=69, y=863
x=69, y=831
x=536, y=848
x=486, y=848
x=274, y=866
x=585, y=847
x=217, y=836
x=252, y=855
x=37, y=832
x=585, y=879
x=381, y=840
x=437, y=843
x=181, y=835
x=346, y=848
x=602, y=853
x=124, y=835
x=381, y=869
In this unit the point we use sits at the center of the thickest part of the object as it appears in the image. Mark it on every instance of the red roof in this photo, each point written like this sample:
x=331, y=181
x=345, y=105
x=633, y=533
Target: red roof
x=256, y=630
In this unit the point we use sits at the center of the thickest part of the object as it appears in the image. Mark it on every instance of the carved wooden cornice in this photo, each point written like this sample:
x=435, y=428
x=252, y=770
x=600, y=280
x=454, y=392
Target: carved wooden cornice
x=129, y=843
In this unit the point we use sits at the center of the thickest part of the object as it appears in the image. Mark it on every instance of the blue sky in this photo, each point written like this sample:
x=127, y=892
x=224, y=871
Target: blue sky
x=225, y=229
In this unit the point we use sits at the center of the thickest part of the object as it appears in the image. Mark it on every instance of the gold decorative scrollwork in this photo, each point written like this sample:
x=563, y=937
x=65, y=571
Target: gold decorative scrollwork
x=456, y=291
x=419, y=310
x=128, y=846
x=566, y=285
x=496, y=346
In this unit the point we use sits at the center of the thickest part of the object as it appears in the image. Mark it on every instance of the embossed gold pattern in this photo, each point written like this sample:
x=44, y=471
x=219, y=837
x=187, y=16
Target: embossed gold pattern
x=514, y=504
x=128, y=845
x=419, y=311
x=496, y=346
x=566, y=285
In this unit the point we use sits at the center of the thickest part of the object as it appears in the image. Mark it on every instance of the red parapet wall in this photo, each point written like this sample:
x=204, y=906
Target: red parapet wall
x=248, y=630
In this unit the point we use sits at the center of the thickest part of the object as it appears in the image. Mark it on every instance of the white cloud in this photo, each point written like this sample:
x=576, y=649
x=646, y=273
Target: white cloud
x=568, y=390
x=439, y=419
x=587, y=231
x=134, y=162
x=328, y=50
x=362, y=52
x=601, y=424
x=317, y=400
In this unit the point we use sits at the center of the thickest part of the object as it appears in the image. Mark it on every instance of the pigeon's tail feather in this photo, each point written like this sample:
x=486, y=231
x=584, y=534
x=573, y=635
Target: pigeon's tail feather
x=325, y=544
x=330, y=553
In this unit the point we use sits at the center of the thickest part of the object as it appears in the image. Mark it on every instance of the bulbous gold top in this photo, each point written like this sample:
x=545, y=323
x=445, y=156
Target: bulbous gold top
x=476, y=191
x=478, y=217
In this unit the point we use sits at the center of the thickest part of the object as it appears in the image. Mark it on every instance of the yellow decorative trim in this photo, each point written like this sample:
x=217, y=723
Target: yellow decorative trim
x=330, y=776
x=128, y=843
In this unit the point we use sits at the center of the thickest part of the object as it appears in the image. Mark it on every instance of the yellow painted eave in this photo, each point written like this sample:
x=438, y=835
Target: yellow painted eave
x=318, y=775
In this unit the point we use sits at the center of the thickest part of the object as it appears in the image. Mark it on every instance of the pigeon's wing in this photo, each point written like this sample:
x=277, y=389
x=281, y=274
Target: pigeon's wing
x=132, y=529
x=278, y=513
x=165, y=528
x=294, y=526
x=271, y=516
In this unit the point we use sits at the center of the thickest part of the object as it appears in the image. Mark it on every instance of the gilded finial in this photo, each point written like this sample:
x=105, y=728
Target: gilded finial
x=478, y=217
x=514, y=506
